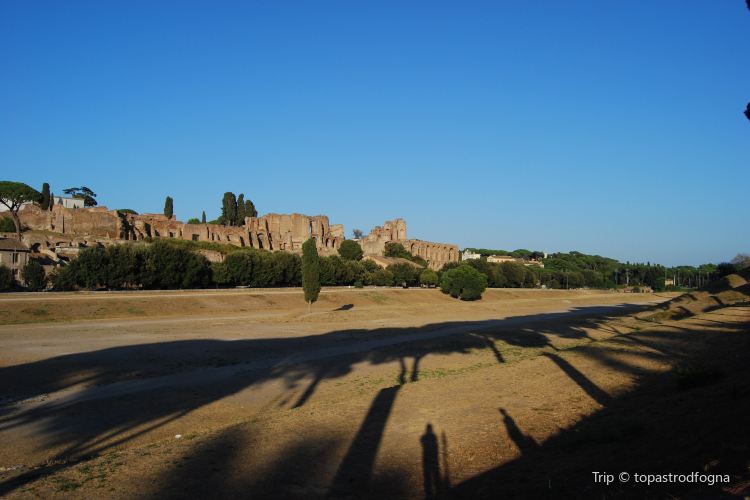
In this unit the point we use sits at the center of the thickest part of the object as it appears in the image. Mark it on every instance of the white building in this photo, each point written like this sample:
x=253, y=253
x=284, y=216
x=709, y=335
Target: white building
x=499, y=259
x=68, y=202
x=469, y=255
x=59, y=200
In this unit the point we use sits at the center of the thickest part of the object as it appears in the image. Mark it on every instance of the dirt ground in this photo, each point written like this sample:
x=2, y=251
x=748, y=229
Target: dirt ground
x=375, y=393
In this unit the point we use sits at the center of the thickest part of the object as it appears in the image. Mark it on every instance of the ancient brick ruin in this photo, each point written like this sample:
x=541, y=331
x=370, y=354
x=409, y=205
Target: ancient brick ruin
x=436, y=254
x=274, y=232
x=285, y=232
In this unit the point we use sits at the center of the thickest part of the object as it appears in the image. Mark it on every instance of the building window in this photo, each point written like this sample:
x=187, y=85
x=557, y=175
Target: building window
x=14, y=259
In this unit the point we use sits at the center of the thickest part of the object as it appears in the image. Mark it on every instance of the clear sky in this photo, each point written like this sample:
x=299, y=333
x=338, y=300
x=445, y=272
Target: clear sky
x=607, y=127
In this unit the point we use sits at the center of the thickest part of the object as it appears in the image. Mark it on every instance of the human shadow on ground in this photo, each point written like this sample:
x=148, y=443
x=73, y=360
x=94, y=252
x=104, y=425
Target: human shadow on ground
x=655, y=428
x=123, y=392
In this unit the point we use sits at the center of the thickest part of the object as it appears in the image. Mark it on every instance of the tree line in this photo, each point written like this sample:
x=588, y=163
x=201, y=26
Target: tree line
x=174, y=264
x=575, y=270
x=234, y=209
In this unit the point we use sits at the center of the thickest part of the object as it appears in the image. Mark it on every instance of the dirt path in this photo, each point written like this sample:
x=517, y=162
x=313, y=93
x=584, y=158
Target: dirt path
x=393, y=398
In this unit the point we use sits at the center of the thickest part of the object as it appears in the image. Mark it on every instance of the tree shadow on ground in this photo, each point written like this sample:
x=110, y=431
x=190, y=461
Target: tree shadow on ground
x=657, y=428
x=124, y=392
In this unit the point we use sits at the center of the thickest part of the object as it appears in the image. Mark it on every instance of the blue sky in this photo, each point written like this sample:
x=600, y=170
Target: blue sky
x=605, y=127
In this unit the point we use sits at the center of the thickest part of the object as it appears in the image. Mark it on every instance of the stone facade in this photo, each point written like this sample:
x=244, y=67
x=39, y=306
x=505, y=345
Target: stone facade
x=391, y=230
x=436, y=254
x=95, y=221
x=271, y=232
x=285, y=232
x=499, y=259
x=14, y=255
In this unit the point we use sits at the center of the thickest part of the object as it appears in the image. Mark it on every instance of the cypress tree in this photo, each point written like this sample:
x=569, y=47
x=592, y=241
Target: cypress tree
x=240, y=210
x=250, y=209
x=168, y=207
x=44, y=203
x=229, y=209
x=203, y=217
x=310, y=272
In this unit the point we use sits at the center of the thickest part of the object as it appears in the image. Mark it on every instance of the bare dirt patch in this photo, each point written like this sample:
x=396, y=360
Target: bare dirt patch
x=402, y=393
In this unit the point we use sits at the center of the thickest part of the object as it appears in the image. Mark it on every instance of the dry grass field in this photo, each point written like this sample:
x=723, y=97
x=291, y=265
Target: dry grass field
x=376, y=393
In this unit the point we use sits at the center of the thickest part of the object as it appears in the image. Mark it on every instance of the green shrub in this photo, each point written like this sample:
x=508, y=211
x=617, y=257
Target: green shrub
x=333, y=271
x=575, y=279
x=7, y=282
x=530, y=278
x=447, y=267
x=369, y=266
x=514, y=274
x=381, y=277
x=169, y=266
x=464, y=282
x=241, y=269
x=350, y=250
x=7, y=225
x=258, y=268
x=428, y=278
x=159, y=265
x=34, y=276
x=592, y=279
x=63, y=279
x=194, y=220
x=494, y=272
x=393, y=249
x=404, y=274
x=419, y=261
x=220, y=273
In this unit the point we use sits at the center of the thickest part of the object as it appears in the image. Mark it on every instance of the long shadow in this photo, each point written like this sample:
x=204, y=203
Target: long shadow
x=656, y=428
x=126, y=391
x=626, y=435
x=579, y=378
x=355, y=471
x=521, y=440
x=431, y=479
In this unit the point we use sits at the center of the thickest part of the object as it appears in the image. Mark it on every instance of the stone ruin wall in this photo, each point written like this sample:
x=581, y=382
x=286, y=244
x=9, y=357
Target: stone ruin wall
x=271, y=232
x=286, y=232
x=95, y=221
x=436, y=254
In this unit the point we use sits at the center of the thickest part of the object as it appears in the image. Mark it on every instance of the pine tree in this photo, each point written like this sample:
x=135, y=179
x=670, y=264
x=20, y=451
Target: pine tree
x=310, y=272
x=13, y=195
x=168, y=207
x=203, y=217
x=45, y=203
